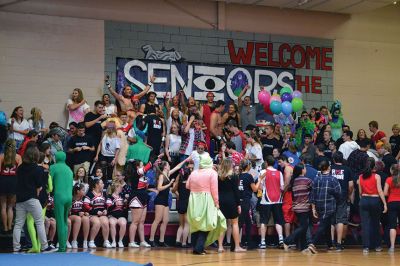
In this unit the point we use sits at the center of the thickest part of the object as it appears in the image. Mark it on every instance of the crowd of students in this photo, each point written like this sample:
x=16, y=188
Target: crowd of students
x=132, y=156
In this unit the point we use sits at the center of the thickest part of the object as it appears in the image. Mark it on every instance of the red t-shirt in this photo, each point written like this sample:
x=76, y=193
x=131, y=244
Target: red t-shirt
x=368, y=186
x=378, y=136
x=394, y=192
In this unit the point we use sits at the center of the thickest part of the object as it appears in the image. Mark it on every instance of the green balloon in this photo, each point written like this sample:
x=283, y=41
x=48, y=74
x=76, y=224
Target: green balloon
x=285, y=90
x=297, y=104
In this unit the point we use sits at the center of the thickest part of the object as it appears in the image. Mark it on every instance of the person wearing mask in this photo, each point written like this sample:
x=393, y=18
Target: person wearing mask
x=392, y=191
x=371, y=200
x=348, y=145
x=205, y=219
x=301, y=187
x=345, y=178
x=325, y=193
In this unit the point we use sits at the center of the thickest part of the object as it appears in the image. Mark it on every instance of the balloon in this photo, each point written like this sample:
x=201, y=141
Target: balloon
x=286, y=97
x=267, y=110
x=297, y=104
x=286, y=108
x=285, y=90
x=276, y=107
x=297, y=94
x=275, y=98
x=264, y=96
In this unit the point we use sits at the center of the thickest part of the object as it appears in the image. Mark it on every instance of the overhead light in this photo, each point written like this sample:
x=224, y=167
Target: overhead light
x=395, y=2
x=302, y=2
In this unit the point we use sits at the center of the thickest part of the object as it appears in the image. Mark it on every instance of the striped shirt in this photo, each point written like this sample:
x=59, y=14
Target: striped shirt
x=326, y=192
x=301, y=189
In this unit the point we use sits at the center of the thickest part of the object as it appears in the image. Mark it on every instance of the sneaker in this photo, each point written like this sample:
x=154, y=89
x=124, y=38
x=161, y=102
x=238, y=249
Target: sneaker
x=57, y=245
x=69, y=246
x=74, y=244
x=85, y=244
x=262, y=245
x=339, y=248
x=378, y=249
x=92, y=244
x=107, y=244
x=49, y=250
x=365, y=250
x=145, y=244
x=113, y=244
x=178, y=244
x=133, y=245
x=281, y=244
x=51, y=244
x=152, y=243
x=312, y=249
x=162, y=244
x=391, y=250
x=120, y=244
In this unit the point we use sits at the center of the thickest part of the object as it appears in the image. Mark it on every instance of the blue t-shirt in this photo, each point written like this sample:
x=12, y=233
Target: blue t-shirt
x=245, y=181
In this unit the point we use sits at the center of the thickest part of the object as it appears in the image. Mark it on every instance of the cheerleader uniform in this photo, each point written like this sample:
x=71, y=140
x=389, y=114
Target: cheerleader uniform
x=8, y=180
x=50, y=207
x=163, y=196
x=77, y=207
x=116, y=207
x=139, y=197
x=94, y=203
x=184, y=193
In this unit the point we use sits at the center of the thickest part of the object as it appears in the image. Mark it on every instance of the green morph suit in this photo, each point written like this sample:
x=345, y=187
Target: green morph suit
x=30, y=222
x=62, y=182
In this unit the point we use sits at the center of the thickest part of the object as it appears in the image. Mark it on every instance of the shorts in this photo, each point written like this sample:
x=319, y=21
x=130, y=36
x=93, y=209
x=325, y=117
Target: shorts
x=393, y=213
x=342, y=212
x=275, y=209
x=287, y=208
x=8, y=185
x=182, y=205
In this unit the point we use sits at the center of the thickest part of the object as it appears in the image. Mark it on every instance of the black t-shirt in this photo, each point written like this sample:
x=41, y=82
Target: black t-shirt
x=318, y=159
x=395, y=143
x=343, y=175
x=269, y=145
x=83, y=155
x=245, y=181
x=43, y=196
x=154, y=132
x=29, y=179
x=96, y=130
x=388, y=160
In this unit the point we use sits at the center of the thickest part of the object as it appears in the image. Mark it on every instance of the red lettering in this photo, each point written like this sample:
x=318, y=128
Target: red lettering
x=326, y=58
x=241, y=57
x=313, y=53
x=316, y=83
x=303, y=83
x=300, y=49
x=282, y=61
x=271, y=61
x=260, y=55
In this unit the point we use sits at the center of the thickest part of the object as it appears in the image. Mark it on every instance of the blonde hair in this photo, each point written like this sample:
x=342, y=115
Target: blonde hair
x=225, y=169
x=36, y=116
x=113, y=187
x=9, y=153
x=80, y=95
x=396, y=126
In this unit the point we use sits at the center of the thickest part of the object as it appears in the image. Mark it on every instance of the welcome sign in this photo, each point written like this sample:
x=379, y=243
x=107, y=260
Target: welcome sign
x=226, y=81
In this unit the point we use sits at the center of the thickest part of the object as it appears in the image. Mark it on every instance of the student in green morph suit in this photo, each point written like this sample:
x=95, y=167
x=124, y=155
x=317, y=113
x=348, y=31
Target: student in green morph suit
x=62, y=183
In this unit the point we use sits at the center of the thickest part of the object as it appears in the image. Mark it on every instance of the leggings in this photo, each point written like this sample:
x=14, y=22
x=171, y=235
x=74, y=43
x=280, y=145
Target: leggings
x=30, y=224
x=244, y=218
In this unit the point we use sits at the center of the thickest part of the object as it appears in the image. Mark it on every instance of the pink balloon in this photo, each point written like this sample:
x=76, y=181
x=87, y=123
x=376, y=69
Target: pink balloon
x=276, y=98
x=263, y=97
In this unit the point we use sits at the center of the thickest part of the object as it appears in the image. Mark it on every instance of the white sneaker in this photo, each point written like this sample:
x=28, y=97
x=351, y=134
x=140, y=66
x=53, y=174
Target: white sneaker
x=74, y=244
x=69, y=245
x=107, y=244
x=145, y=244
x=120, y=244
x=92, y=244
x=133, y=245
x=113, y=244
x=85, y=244
x=57, y=245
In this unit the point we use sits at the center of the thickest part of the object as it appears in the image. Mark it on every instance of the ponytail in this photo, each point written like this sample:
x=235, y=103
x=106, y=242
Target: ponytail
x=369, y=167
x=395, y=171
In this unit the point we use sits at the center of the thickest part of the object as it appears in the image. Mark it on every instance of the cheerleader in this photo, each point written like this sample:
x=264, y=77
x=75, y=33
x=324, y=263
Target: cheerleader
x=116, y=210
x=50, y=221
x=95, y=204
x=81, y=178
x=78, y=217
x=136, y=171
x=182, y=195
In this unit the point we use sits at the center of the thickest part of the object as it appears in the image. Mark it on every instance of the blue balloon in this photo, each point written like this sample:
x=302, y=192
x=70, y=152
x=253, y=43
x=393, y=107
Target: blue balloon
x=286, y=108
x=276, y=107
x=286, y=97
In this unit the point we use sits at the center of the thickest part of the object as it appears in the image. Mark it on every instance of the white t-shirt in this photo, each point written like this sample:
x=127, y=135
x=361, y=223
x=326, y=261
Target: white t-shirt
x=112, y=109
x=256, y=151
x=131, y=133
x=109, y=146
x=190, y=146
x=174, y=143
x=78, y=114
x=24, y=125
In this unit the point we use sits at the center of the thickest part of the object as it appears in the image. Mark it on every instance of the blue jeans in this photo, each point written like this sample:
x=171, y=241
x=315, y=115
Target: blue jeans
x=370, y=212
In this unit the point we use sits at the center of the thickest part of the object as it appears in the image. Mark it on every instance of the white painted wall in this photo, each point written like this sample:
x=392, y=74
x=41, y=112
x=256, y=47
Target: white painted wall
x=43, y=58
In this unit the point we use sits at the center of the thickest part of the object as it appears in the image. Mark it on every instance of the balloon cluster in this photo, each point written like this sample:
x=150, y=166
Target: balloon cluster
x=286, y=102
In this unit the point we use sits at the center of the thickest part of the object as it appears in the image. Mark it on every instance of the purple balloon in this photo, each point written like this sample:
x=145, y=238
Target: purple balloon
x=286, y=97
x=297, y=94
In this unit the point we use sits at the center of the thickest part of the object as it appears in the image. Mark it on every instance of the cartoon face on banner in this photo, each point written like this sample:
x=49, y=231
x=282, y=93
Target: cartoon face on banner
x=196, y=79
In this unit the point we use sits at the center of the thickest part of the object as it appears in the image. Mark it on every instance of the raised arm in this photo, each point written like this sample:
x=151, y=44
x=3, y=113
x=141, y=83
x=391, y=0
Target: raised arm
x=243, y=92
x=147, y=88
